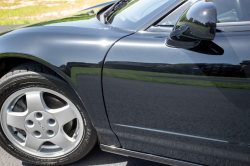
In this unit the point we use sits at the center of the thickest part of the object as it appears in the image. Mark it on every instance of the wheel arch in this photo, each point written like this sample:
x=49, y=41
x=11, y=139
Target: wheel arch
x=10, y=60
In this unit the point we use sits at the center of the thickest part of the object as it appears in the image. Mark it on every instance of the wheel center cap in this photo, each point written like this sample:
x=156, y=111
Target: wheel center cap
x=41, y=125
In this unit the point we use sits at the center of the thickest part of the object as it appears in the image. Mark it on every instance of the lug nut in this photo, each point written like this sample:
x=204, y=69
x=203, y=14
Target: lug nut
x=30, y=123
x=50, y=133
x=37, y=134
x=51, y=122
x=39, y=115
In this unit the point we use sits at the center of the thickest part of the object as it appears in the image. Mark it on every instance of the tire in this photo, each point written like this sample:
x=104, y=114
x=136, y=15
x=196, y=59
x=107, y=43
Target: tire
x=45, y=104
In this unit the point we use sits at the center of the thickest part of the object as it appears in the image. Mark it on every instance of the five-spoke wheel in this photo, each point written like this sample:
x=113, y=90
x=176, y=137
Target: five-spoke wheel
x=43, y=132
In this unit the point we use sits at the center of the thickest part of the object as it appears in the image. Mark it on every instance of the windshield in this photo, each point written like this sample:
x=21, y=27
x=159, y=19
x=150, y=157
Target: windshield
x=135, y=13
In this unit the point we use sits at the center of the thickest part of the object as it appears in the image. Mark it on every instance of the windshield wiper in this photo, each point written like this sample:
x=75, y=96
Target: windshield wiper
x=117, y=6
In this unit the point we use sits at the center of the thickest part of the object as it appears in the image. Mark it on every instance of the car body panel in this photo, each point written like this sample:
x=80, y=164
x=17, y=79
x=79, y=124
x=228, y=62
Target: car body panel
x=185, y=104
x=75, y=48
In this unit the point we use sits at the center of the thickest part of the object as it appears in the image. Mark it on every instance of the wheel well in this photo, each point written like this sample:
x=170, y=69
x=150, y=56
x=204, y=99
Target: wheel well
x=6, y=64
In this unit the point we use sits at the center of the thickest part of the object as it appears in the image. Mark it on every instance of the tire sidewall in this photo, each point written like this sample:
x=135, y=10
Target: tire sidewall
x=20, y=81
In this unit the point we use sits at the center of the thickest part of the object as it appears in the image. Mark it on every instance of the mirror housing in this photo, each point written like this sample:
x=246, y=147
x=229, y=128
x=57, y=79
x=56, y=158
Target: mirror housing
x=197, y=23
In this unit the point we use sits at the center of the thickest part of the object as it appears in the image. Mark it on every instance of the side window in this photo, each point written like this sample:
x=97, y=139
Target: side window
x=232, y=10
x=173, y=17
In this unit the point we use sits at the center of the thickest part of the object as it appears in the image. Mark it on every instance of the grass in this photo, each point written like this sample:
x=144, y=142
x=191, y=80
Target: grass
x=32, y=11
x=136, y=75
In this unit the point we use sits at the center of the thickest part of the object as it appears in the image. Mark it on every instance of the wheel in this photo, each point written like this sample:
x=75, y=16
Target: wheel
x=43, y=122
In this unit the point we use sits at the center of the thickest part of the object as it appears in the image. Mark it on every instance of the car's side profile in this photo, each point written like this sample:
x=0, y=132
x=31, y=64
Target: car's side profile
x=161, y=80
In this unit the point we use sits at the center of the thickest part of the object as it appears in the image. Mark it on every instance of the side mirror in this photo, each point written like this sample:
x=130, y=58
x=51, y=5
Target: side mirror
x=196, y=24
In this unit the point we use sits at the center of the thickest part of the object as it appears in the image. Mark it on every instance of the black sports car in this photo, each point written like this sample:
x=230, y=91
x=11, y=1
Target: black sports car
x=161, y=80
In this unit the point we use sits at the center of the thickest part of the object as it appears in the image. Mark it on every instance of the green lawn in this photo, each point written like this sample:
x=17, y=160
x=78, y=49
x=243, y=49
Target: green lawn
x=31, y=11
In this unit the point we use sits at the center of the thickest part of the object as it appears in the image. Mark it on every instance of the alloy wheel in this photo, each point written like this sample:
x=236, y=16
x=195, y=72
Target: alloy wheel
x=40, y=128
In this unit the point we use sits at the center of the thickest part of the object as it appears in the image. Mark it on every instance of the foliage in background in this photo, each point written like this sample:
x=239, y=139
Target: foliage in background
x=145, y=76
x=31, y=11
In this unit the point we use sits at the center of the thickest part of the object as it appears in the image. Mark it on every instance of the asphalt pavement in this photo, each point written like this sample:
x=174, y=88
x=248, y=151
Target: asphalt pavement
x=95, y=158
x=4, y=28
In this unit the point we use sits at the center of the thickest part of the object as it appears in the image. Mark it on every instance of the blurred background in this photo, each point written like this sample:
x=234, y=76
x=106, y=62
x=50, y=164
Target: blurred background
x=13, y=12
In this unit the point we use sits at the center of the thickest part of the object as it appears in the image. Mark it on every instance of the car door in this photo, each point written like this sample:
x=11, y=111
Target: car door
x=186, y=104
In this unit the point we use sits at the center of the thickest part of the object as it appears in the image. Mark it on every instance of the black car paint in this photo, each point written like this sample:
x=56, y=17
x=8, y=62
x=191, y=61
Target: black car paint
x=195, y=127
x=171, y=106
x=202, y=29
x=193, y=26
x=77, y=42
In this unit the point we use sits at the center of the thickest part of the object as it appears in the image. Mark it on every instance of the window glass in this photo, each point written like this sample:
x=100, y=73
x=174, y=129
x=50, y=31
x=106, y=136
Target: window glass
x=173, y=17
x=137, y=12
x=232, y=10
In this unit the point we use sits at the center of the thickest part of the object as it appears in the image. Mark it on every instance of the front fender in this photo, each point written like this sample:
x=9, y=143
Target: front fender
x=74, y=53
